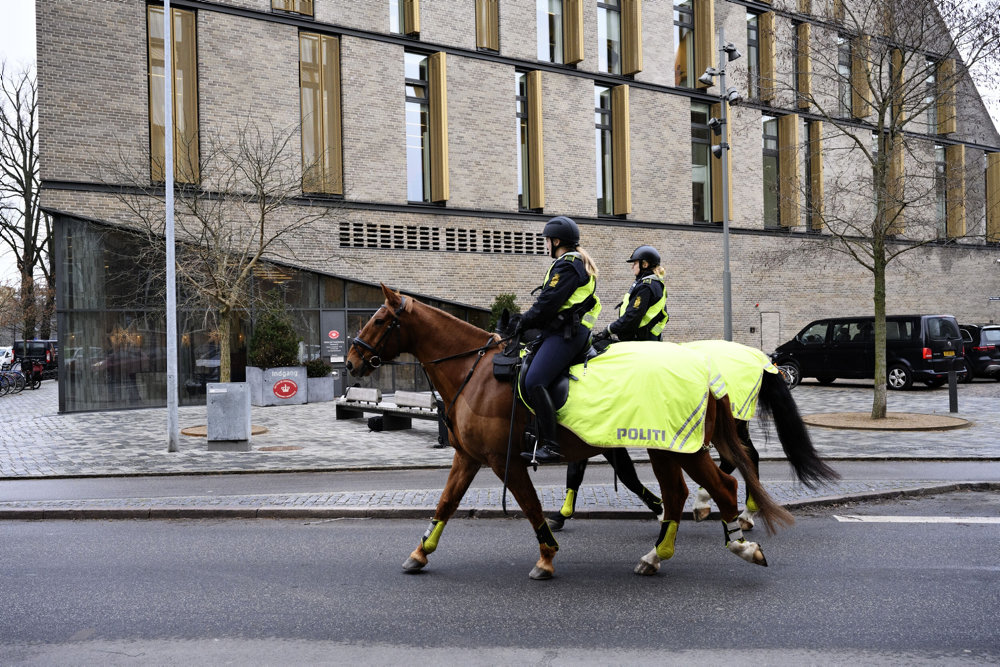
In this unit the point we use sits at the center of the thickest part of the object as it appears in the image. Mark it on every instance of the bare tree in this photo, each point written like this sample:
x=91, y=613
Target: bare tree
x=878, y=74
x=23, y=226
x=248, y=209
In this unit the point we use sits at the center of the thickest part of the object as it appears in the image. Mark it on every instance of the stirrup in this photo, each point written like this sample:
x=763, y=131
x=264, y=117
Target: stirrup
x=542, y=453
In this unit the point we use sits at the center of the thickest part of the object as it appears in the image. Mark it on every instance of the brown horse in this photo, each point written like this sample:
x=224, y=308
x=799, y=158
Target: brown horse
x=457, y=358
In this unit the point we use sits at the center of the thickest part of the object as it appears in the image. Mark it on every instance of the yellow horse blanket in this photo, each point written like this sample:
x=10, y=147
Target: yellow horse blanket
x=642, y=394
x=742, y=368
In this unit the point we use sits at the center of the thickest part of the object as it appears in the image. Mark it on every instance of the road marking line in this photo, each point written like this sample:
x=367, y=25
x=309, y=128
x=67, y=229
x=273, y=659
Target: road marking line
x=850, y=518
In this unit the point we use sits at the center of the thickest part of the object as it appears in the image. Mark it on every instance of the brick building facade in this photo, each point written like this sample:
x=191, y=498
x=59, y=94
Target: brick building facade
x=481, y=239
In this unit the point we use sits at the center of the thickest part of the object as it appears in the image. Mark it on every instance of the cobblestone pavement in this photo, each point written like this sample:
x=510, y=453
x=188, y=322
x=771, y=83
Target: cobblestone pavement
x=37, y=442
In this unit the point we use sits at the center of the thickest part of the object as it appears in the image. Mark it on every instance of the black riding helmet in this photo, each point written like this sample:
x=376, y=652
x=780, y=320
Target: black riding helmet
x=564, y=229
x=645, y=252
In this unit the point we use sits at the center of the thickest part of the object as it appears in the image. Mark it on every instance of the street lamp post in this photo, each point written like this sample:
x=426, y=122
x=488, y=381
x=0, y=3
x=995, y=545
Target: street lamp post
x=727, y=53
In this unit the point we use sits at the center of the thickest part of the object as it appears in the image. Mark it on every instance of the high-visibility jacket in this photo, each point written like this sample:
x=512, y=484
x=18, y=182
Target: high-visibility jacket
x=642, y=313
x=567, y=296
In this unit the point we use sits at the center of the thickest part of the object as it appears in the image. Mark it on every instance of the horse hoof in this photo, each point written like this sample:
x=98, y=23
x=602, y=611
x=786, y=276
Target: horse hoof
x=646, y=569
x=701, y=513
x=746, y=520
x=539, y=574
x=556, y=523
x=412, y=565
x=758, y=558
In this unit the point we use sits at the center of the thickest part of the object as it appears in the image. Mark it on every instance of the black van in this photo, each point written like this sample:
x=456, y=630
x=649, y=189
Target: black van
x=918, y=348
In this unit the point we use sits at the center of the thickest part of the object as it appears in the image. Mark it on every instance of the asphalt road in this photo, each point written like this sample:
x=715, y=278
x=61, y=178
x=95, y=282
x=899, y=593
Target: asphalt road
x=314, y=592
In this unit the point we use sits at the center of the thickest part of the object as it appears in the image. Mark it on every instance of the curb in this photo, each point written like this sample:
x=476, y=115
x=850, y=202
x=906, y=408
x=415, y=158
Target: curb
x=277, y=512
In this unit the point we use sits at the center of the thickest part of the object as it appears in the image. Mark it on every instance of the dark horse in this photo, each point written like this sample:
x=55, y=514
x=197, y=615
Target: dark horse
x=457, y=358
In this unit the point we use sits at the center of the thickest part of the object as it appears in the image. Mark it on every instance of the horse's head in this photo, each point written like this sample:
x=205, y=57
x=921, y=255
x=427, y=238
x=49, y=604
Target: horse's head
x=380, y=339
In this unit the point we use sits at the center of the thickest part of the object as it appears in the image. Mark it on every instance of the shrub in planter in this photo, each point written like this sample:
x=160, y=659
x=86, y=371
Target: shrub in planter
x=319, y=379
x=275, y=375
x=317, y=368
x=273, y=343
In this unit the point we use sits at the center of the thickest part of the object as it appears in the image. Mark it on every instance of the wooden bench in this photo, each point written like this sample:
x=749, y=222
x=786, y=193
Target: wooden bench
x=399, y=414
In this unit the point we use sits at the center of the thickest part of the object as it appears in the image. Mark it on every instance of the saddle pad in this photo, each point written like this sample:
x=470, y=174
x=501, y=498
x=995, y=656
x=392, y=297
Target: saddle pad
x=742, y=368
x=642, y=394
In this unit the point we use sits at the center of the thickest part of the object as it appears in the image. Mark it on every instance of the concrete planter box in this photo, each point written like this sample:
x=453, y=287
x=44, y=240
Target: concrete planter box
x=285, y=385
x=321, y=389
x=228, y=416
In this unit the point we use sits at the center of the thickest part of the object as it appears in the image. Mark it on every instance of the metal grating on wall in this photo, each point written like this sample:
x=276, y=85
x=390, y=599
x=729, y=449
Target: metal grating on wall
x=453, y=239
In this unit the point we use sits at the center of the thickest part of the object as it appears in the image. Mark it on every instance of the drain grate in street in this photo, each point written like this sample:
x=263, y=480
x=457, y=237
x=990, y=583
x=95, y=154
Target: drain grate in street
x=279, y=448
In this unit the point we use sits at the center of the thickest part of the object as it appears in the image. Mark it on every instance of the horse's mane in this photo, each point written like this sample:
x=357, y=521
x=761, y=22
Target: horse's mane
x=458, y=322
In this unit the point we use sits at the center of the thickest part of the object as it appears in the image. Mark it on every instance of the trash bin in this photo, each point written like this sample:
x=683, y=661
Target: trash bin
x=228, y=416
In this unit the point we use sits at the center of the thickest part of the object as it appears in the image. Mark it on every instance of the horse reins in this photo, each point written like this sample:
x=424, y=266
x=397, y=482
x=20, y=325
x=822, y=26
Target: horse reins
x=374, y=361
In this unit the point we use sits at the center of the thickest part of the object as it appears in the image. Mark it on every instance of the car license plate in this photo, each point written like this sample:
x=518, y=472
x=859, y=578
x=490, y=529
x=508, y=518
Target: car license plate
x=948, y=353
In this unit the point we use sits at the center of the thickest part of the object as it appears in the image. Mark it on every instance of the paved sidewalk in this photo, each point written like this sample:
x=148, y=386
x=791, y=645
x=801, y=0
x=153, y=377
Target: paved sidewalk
x=39, y=443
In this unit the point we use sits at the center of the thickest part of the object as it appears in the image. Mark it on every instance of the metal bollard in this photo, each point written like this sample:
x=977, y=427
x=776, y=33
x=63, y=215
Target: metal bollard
x=952, y=382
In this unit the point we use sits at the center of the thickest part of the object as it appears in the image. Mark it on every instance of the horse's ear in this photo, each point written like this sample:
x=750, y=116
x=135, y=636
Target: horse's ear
x=503, y=322
x=391, y=297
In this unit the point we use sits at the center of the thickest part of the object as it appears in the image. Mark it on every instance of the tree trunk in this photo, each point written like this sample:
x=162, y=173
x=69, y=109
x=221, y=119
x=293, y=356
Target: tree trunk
x=879, y=398
x=45, y=325
x=28, y=310
x=225, y=361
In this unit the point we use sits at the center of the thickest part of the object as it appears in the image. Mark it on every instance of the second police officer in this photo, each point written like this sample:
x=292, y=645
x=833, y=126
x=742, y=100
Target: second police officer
x=642, y=313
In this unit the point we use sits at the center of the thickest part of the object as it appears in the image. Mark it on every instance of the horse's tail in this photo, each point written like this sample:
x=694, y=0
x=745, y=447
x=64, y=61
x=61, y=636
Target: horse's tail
x=775, y=403
x=729, y=445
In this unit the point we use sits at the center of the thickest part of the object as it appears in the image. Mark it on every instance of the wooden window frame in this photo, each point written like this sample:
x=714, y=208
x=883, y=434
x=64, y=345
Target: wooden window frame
x=303, y=7
x=488, y=25
x=187, y=168
x=324, y=175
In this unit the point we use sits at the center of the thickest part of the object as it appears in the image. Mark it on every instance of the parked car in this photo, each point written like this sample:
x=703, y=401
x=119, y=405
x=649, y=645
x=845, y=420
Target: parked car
x=982, y=350
x=919, y=348
x=6, y=358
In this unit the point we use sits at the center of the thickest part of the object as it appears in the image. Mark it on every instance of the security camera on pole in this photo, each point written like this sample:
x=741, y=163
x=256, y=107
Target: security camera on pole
x=728, y=53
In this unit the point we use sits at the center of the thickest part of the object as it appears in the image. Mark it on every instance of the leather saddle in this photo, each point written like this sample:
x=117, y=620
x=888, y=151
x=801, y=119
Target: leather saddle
x=515, y=359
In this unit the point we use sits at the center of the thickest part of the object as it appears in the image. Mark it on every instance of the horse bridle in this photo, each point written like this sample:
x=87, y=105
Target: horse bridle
x=374, y=359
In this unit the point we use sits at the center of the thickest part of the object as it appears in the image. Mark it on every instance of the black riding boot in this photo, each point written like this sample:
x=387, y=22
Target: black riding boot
x=547, y=450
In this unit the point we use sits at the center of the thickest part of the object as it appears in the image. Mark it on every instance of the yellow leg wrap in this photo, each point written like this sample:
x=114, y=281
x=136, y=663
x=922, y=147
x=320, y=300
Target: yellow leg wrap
x=569, y=503
x=430, y=539
x=752, y=504
x=668, y=534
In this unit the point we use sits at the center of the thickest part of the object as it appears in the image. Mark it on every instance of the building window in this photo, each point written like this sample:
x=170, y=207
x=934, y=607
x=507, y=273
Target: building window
x=930, y=96
x=523, y=167
x=404, y=17
x=488, y=25
x=304, y=7
x=604, y=150
x=807, y=164
x=530, y=161
x=418, y=154
x=844, y=75
x=684, y=43
x=319, y=76
x=550, y=30
x=753, y=56
x=701, y=167
x=609, y=37
x=184, y=89
x=941, y=191
x=772, y=173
